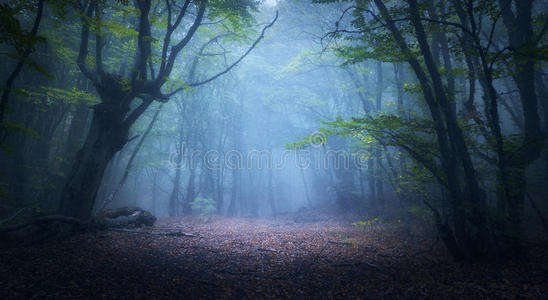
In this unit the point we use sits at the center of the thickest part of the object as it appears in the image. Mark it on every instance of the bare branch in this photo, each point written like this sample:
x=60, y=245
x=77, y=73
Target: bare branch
x=143, y=42
x=137, y=112
x=233, y=64
x=169, y=31
x=167, y=63
x=98, y=42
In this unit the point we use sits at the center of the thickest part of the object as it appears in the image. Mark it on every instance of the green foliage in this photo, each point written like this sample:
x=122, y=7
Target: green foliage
x=421, y=212
x=12, y=128
x=368, y=223
x=57, y=95
x=385, y=50
x=298, y=64
x=204, y=206
x=415, y=136
x=350, y=241
x=237, y=12
x=119, y=29
x=316, y=139
x=412, y=88
x=12, y=32
x=177, y=83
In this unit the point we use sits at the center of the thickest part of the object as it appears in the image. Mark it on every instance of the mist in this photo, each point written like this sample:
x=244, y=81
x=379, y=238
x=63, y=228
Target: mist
x=311, y=149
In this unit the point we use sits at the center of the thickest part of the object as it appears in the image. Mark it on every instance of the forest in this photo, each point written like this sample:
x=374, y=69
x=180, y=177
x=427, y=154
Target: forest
x=250, y=149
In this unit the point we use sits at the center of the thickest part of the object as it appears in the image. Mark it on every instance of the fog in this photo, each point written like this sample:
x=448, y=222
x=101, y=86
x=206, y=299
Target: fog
x=273, y=149
x=233, y=132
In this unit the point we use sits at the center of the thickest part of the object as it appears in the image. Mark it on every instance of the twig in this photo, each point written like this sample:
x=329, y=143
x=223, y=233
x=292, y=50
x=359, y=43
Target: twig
x=233, y=64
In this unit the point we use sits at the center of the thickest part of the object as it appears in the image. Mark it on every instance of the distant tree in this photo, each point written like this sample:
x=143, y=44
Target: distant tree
x=405, y=31
x=24, y=42
x=119, y=109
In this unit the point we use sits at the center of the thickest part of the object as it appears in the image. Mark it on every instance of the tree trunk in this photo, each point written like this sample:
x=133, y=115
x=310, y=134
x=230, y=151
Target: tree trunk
x=543, y=97
x=107, y=136
x=190, y=191
x=270, y=187
x=175, y=191
x=117, y=188
x=235, y=192
x=305, y=184
x=379, y=187
x=372, y=188
x=520, y=38
x=447, y=149
x=400, y=80
x=154, y=191
x=474, y=198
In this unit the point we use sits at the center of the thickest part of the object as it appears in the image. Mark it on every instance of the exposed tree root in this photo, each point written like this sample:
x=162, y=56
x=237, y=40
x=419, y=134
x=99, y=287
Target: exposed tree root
x=43, y=221
x=38, y=229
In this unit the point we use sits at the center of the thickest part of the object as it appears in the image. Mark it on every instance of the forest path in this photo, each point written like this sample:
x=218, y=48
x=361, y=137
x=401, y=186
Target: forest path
x=294, y=256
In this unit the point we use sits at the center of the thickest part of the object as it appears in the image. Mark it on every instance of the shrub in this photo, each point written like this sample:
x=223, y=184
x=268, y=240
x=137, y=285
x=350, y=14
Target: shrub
x=204, y=207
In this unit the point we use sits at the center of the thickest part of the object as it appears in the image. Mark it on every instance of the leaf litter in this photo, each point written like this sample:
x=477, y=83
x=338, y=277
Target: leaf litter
x=292, y=256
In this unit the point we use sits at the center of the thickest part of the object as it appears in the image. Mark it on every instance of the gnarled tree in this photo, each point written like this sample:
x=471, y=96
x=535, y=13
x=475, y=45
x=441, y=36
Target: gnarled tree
x=119, y=92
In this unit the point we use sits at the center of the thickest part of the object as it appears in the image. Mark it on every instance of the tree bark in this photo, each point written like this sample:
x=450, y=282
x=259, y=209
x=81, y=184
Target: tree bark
x=474, y=199
x=521, y=40
x=117, y=188
x=379, y=187
x=107, y=136
x=449, y=137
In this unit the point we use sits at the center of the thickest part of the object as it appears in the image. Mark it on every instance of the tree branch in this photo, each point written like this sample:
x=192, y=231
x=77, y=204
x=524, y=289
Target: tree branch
x=84, y=43
x=98, y=42
x=233, y=64
x=164, y=72
x=169, y=31
x=137, y=112
x=143, y=43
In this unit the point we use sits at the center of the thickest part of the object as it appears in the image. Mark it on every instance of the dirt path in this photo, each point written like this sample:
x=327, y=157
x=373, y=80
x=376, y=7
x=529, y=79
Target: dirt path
x=291, y=257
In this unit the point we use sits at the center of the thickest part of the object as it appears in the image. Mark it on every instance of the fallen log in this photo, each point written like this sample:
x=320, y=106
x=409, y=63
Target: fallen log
x=125, y=217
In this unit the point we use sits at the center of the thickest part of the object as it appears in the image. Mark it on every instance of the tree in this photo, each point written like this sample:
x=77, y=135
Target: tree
x=118, y=110
x=24, y=43
x=407, y=26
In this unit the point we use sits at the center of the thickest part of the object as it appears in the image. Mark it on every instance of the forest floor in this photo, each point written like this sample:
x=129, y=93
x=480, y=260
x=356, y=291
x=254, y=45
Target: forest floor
x=303, y=255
